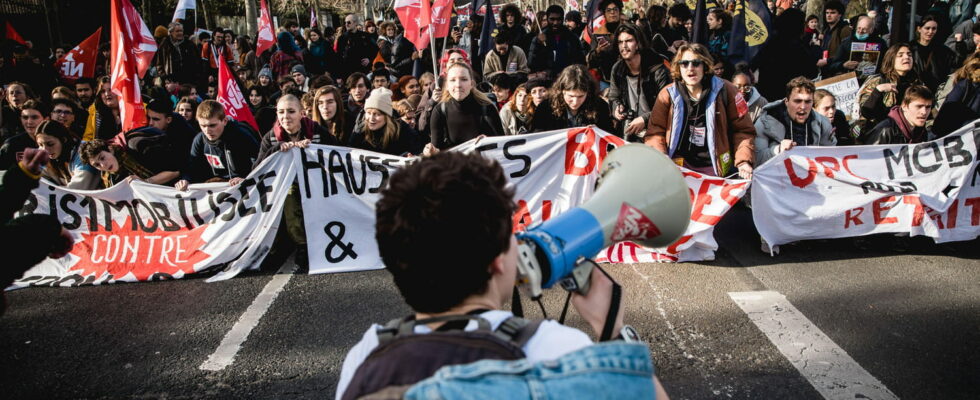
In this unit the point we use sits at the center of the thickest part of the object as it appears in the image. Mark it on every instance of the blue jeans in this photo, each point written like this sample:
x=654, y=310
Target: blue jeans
x=614, y=370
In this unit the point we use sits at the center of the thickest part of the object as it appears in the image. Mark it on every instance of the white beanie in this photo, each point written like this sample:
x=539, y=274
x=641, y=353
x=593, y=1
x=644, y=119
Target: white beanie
x=379, y=99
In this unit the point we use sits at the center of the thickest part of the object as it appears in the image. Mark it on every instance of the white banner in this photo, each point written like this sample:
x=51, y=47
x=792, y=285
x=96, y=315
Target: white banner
x=831, y=192
x=845, y=89
x=142, y=232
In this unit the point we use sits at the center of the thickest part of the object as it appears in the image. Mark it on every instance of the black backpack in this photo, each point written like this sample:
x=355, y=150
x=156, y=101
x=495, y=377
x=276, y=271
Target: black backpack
x=404, y=358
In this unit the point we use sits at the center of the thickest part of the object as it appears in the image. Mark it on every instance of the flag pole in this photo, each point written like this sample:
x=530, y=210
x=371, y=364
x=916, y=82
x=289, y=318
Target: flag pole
x=432, y=47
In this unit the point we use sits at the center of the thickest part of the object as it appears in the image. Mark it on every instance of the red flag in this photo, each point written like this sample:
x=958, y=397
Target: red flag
x=230, y=96
x=13, y=35
x=265, y=37
x=409, y=13
x=80, y=61
x=133, y=47
x=441, y=13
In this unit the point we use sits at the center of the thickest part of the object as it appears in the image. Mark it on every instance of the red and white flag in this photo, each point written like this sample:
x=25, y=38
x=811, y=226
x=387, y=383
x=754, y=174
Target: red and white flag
x=12, y=34
x=80, y=61
x=230, y=96
x=265, y=38
x=314, y=21
x=419, y=17
x=133, y=47
x=409, y=13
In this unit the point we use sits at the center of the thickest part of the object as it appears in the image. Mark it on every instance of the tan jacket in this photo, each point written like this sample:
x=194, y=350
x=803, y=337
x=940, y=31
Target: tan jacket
x=731, y=133
x=491, y=63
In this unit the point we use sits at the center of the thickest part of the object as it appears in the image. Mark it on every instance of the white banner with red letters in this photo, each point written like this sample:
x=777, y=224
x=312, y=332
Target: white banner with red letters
x=552, y=172
x=927, y=189
x=142, y=232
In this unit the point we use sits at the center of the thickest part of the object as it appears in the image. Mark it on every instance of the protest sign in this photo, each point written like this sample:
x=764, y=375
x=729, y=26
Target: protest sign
x=845, y=89
x=142, y=232
x=831, y=192
x=867, y=55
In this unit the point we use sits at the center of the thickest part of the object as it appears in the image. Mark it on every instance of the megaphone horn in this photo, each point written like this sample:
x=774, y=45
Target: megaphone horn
x=641, y=197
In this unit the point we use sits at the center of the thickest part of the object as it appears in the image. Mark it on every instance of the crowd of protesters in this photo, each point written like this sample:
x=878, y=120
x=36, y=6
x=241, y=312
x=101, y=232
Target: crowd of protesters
x=641, y=76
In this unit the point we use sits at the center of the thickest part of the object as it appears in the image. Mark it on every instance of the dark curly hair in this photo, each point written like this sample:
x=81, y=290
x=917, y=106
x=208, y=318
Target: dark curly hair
x=440, y=224
x=575, y=77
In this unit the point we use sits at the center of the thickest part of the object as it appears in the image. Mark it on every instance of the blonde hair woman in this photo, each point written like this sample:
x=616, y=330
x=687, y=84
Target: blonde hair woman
x=464, y=112
x=381, y=132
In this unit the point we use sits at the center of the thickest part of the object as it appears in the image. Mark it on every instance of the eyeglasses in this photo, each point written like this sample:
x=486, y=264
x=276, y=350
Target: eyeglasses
x=691, y=63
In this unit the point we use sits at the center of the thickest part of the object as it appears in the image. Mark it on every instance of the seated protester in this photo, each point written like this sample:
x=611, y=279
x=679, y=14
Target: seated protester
x=405, y=87
x=259, y=105
x=358, y=87
x=187, y=109
x=825, y=103
x=222, y=152
x=635, y=81
x=267, y=83
x=505, y=59
x=502, y=85
x=328, y=111
x=103, y=115
x=864, y=37
x=15, y=96
x=744, y=81
x=572, y=102
x=292, y=129
x=380, y=78
x=212, y=90
x=66, y=112
x=882, y=92
x=537, y=93
x=962, y=104
x=65, y=167
x=711, y=137
x=179, y=132
x=85, y=90
x=382, y=132
x=464, y=112
x=513, y=115
x=905, y=124
x=448, y=261
x=32, y=114
x=31, y=237
x=791, y=122
x=301, y=78
x=146, y=156
x=406, y=112
x=933, y=60
x=286, y=84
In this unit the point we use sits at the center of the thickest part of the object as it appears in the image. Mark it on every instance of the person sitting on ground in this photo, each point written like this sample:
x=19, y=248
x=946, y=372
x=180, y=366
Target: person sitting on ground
x=65, y=167
x=32, y=114
x=450, y=263
x=146, y=156
x=513, y=115
x=180, y=133
x=791, y=122
x=825, y=103
x=907, y=123
x=573, y=101
x=222, y=152
x=463, y=112
x=635, y=81
x=505, y=59
x=744, y=81
x=382, y=132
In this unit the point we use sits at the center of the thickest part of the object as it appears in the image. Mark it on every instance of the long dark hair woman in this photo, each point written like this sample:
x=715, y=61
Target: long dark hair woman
x=382, y=132
x=696, y=122
x=719, y=31
x=962, y=104
x=572, y=101
x=259, y=104
x=882, y=92
x=933, y=60
x=65, y=167
x=103, y=114
x=464, y=112
x=321, y=52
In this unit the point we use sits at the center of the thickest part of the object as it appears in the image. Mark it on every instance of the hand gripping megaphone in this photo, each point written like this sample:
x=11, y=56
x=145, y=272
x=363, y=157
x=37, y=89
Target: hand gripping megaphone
x=640, y=196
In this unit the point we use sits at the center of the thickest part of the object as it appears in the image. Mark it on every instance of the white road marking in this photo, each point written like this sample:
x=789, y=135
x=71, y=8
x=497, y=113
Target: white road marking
x=232, y=343
x=825, y=365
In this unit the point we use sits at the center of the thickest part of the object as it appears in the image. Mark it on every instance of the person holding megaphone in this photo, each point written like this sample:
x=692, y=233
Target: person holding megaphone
x=697, y=122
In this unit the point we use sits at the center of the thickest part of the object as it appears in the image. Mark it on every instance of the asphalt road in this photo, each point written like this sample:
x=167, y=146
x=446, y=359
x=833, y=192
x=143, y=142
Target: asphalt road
x=909, y=320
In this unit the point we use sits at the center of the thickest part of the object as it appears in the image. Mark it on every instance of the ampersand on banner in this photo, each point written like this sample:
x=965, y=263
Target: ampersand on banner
x=346, y=249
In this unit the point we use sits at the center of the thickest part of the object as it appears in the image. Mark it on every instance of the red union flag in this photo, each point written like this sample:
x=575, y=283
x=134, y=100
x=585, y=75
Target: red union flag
x=264, y=38
x=230, y=96
x=133, y=47
x=80, y=61
x=419, y=17
x=410, y=14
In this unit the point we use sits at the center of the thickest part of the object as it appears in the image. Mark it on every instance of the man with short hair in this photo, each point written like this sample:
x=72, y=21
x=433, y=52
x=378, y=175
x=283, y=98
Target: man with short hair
x=63, y=111
x=790, y=122
x=835, y=28
x=85, y=90
x=222, y=152
x=380, y=78
x=355, y=47
x=505, y=59
x=176, y=56
x=677, y=16
x=159, y=115
x=301, y=77
x=635, y=81
x=907, y=123
x=32, y=114
x=448, y=261
x=212, y=52
x=862, y=52
x=556, y=47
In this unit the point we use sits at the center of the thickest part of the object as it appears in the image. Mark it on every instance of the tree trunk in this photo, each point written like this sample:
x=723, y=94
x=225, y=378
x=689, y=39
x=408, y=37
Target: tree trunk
x=251, y=18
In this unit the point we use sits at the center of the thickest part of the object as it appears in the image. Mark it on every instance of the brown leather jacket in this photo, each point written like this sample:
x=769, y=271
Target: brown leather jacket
x=733, y=133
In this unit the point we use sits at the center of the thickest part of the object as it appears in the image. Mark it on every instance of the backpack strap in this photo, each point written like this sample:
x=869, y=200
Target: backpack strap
x=404, y=326
x=517, y=330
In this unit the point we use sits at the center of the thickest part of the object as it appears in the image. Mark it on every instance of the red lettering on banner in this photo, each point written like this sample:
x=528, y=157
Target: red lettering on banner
x=974, y=203
x=605, y=142
x=879, y=207
x=847, y=166
x=918, y=214
x=522, y=217
x=123, y=250
x=855, y=218
x=811, y=173
x=952, y=211
x=936, y=217
x=704, y=199
x=546, y=210
x=575, y=149
x=672, y=249
x=830, y=165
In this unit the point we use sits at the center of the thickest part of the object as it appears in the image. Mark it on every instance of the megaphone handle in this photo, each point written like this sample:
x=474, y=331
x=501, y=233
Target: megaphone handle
x=617, y=294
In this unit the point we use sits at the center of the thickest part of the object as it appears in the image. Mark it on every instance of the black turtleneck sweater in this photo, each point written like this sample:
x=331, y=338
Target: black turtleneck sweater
x=454, y=122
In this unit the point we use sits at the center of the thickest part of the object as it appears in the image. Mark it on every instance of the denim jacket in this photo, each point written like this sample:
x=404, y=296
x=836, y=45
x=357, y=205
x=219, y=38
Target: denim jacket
x=614, y=370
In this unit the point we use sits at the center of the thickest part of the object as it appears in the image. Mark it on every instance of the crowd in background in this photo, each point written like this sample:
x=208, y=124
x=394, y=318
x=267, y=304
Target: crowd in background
x=642, y=75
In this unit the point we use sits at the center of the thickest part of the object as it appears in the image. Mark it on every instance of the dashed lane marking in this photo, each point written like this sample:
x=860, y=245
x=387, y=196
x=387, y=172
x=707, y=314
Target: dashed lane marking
x=824, y=364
